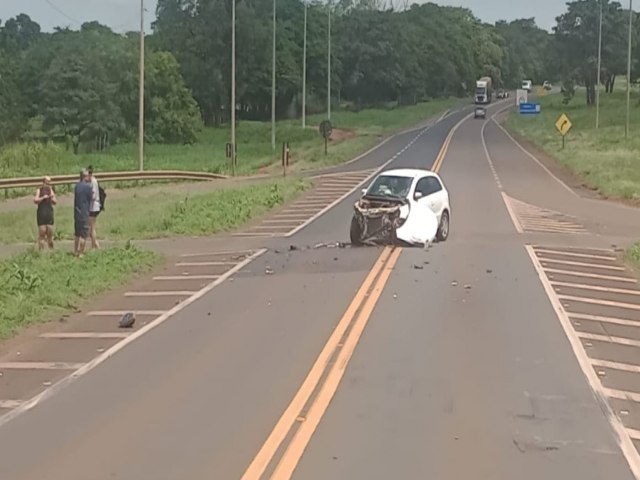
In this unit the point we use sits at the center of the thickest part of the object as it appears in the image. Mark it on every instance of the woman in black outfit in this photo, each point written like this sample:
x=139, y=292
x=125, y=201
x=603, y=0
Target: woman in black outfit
x=45, y=198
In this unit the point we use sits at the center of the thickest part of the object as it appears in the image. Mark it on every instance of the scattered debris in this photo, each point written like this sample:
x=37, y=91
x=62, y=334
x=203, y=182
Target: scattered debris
x=292, y=248
x=268, y=271
x=277, y=251
x=319, y=245
x=395, y=295
x=46, y=384
x=335, y=259
x=489, y=270
x=426, y=262
x=418, y=267
x=208, y=314
x=127, y=320
x=467, y=287
x=454, y=284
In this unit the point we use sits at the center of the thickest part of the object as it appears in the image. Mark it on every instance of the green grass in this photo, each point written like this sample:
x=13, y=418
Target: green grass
x=158, y=214
x=208, y=154
x=38, y=286
x=633, y=255
x=603, y=158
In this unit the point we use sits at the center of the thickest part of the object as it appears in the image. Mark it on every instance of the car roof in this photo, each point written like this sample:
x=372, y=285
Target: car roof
x=409, y=172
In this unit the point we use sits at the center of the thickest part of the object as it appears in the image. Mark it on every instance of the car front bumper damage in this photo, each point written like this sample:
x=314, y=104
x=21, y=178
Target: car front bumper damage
x=378, y=222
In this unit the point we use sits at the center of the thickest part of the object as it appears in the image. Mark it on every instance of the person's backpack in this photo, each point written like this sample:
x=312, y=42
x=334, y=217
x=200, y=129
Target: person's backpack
x=103, y=197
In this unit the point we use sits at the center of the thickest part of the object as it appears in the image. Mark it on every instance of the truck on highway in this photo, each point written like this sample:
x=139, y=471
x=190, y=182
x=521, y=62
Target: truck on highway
x=527, y=85
x=483, y=91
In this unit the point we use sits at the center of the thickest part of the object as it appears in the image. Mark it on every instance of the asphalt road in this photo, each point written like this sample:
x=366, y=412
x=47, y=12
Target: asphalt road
x=447, y=364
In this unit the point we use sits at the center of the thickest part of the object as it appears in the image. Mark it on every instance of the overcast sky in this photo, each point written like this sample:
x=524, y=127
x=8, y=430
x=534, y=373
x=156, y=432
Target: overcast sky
x=123, y=15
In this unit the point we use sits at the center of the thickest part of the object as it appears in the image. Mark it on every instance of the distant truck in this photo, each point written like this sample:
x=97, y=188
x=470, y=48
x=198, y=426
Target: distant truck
x=527, y=85
x=483, y=91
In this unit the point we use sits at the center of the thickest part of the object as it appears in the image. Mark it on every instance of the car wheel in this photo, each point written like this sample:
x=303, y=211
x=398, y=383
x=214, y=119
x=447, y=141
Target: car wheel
x=443, y=228
x=355, y=233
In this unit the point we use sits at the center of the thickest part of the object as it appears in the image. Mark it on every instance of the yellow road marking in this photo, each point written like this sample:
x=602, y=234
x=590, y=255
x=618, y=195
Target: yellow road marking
x=437, y=165
x=295, y=450
x=374, y=280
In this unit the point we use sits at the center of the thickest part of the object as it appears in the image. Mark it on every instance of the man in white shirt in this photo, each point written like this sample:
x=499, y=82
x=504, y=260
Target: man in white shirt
x=94, y=211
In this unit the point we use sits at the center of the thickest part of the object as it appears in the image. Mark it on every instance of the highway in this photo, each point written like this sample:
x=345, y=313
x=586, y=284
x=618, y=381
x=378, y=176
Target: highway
x=512, y=350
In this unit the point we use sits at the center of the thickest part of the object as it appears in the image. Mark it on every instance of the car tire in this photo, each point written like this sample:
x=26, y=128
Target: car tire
x=355, y=233
x=443, y=228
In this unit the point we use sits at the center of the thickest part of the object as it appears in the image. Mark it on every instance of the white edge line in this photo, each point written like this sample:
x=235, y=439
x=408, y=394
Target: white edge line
x=512, y=214
x=624, y=439
x=214, y=254
x=33, y=402
x=533, y=157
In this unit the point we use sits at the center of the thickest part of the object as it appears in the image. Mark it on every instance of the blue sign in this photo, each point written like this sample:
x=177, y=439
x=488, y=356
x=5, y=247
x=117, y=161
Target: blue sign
x=529, y=108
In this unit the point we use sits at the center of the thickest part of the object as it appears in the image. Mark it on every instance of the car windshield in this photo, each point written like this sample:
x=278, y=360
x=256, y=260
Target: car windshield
x=390, y=186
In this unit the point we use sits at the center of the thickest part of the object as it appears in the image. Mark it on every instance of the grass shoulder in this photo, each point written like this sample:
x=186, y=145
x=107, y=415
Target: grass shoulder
x=37, y=287
x=159, y=214
x=603, y=158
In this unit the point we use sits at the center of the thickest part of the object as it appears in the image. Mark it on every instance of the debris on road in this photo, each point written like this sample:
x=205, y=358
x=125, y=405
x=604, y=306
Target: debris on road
x=467, y=287
x=489, y=270
x=127, y=320
x=292, y=248
x=268, y=271
x=395, y=295
x=454, y=284
x=418, y=267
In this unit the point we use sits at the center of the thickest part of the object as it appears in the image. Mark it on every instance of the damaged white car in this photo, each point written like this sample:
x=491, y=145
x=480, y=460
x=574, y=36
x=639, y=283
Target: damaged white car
x=408, y=206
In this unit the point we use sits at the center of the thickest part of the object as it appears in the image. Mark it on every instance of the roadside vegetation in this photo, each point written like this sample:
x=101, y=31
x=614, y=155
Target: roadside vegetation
x=602, y=157
x=633, y=255
x=161, y=214
x=69, y=98
x=37, y=287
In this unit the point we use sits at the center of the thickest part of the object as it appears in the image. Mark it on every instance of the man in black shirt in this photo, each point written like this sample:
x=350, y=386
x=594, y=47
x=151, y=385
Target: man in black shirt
x=83, y=197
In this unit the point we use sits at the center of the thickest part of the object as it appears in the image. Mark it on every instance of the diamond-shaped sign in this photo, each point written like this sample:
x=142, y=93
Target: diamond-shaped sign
x=563, y=124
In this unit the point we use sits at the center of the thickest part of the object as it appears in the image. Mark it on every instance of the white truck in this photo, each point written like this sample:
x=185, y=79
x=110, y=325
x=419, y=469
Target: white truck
x=527, y=85
x=483, y=91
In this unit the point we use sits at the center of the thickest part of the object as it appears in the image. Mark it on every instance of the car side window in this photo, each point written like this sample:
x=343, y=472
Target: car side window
x=428, y=186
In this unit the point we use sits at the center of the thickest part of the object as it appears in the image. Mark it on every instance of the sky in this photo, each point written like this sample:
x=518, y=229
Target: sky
x=124, y=15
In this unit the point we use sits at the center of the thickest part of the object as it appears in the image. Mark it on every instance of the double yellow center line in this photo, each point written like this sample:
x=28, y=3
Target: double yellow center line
x=305, y=411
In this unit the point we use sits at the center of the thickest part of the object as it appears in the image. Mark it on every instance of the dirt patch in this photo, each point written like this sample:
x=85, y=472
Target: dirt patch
x=565, y=174
x=338, y=135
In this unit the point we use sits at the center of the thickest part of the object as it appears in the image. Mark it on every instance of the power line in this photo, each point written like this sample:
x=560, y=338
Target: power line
x=61, y=12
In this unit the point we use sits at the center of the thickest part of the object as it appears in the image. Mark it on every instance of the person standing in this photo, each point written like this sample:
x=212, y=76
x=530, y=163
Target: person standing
x=83, y=197
x=45, y=199
x=95, y=209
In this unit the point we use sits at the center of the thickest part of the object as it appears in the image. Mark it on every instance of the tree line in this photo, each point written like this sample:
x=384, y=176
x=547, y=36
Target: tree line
x=81, y=86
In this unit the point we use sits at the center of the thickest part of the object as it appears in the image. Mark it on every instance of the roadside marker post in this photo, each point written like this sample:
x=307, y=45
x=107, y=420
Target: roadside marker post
x=285, y=158
x=563, y=125
x=325, y=130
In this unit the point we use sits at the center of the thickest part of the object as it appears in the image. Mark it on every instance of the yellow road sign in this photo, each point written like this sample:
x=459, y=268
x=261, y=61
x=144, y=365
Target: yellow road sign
x=563, y=124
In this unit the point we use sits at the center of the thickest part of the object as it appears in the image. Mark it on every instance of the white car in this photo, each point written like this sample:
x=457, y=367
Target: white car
x=406, y=205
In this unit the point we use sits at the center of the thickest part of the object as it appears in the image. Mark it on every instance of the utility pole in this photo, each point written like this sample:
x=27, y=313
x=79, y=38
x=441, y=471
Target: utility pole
x=626, y=127
x=141, y=93
x=273, y=82
x=233, y=87
x=329, y=62
x=599, y=67
x=304, y=70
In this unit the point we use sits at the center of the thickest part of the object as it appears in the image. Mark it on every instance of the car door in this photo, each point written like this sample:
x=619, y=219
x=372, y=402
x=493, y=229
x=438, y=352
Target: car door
x=429, y=188
x=431, y=191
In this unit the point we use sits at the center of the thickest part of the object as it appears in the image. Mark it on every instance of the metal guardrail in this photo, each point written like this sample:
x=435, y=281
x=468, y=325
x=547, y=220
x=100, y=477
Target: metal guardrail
x=112, y=177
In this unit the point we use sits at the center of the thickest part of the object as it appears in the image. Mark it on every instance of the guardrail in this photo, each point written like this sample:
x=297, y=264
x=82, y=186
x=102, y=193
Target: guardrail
x=112, y=177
